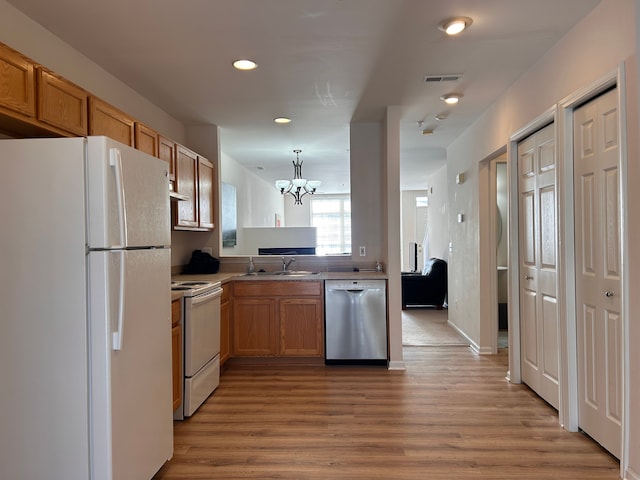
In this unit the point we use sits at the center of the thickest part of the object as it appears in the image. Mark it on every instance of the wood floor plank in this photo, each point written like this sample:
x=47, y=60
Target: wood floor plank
x=450, y=415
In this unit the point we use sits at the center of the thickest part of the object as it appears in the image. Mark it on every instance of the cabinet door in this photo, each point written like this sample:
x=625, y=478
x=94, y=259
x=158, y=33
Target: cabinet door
x=205, y=193
x=254, y=329
x=62, y=104
x=301, y=327
x=225, y=324
x=176, y=357
x=167, y=152
x=146, y=139
x=107, y=120
x=187, y=184
x=176, y=351
x=17, y=82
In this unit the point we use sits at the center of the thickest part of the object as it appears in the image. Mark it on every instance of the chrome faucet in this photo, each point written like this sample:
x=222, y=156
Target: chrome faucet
x=285, y=264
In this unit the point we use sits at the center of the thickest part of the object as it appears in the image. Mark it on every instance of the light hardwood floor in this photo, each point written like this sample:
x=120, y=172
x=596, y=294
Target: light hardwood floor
x=451, y=415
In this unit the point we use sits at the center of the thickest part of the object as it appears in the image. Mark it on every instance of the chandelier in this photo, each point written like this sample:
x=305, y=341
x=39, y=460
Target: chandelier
x=297, y=187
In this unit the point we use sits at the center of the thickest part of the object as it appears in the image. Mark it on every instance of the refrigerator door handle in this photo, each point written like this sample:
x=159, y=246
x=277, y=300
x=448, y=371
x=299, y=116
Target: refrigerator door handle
x=119, y=333
x=115, y=161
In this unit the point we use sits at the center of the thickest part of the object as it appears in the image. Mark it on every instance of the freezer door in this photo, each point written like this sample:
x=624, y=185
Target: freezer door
x=130, y=356
x=127, y=196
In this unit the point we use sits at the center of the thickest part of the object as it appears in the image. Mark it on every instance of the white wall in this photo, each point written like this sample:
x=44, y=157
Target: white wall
x=297, y=215
x=595, y=47
x=257, y=201
x=29, y=38
x=438, y=219
x=367, y=190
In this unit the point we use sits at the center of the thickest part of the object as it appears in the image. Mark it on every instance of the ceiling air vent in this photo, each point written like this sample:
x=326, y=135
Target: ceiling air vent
x=443, y=78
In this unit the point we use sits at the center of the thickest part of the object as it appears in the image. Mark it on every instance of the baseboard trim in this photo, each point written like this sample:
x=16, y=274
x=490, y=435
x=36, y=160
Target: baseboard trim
x=630, y=474
x=472, y=345
x=396, y=365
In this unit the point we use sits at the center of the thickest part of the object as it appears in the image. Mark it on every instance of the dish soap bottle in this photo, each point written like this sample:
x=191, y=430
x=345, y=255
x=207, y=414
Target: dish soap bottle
x=251, y=268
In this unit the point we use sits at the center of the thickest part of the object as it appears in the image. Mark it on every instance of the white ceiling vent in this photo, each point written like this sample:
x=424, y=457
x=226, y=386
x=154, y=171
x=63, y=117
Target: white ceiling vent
x=443, y=78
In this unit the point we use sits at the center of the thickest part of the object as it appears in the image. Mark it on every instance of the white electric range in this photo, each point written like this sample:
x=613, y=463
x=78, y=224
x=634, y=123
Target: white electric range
x=201, y=343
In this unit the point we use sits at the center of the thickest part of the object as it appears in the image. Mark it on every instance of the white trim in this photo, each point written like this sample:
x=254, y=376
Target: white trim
x=570, y=385
x=632, y=475
x=396, y=365
x=472, y=345
x=488, y=261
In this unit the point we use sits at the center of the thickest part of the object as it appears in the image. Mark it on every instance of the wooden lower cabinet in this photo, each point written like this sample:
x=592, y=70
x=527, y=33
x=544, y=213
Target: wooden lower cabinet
x=301, y=327
x=254, y=328
x=225, y=323
x=278, y=319
x=176, y=351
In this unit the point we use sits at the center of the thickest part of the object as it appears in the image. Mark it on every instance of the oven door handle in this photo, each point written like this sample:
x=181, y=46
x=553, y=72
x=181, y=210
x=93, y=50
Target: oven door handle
x=205, y=297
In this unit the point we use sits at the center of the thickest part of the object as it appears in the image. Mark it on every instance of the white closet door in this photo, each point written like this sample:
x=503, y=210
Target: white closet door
x=538, y=264
x=598, y=276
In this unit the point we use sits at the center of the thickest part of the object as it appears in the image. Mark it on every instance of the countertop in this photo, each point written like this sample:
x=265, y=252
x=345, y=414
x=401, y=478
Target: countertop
x=240, y=276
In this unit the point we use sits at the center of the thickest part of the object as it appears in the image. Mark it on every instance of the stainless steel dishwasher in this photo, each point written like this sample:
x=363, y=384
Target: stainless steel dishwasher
x=355, y=322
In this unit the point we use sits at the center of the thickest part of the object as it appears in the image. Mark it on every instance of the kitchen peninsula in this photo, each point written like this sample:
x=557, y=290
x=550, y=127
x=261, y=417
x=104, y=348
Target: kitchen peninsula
x=269, y=316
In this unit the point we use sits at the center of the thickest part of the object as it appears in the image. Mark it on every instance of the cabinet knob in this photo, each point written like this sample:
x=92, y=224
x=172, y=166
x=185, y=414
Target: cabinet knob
x=528, y=277
x=608, y=294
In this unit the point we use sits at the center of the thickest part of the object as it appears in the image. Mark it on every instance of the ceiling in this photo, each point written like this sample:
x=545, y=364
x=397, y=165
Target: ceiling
x=323, y=63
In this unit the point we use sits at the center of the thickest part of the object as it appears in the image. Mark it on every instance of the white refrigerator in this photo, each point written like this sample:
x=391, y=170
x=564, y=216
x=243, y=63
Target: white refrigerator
x=85, y=329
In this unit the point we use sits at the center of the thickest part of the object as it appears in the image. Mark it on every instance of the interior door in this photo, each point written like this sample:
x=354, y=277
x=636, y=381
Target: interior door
x=598, y=275
x=538, y=264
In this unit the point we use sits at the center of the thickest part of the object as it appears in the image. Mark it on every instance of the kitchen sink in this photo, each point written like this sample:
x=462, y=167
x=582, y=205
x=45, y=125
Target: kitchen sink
x=283, y=273
x=294, y=273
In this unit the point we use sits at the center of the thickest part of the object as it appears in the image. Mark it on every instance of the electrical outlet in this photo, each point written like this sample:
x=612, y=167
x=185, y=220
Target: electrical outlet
x=206, y=250
x=362, y=251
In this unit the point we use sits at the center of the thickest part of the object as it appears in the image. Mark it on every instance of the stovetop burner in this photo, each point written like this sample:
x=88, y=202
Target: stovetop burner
x=193, y=288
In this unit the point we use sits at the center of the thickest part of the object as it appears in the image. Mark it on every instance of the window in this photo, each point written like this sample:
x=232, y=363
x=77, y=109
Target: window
x=331, y=215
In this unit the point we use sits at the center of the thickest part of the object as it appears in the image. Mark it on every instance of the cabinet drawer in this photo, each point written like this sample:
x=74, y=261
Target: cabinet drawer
x=278, y=288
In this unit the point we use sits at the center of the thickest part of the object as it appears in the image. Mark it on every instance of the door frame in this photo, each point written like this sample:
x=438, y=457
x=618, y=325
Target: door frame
x=569, y=387
x=488, y=259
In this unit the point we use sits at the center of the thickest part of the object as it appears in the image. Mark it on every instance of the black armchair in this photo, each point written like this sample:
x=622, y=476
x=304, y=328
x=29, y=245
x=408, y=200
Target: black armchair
x=428, y=288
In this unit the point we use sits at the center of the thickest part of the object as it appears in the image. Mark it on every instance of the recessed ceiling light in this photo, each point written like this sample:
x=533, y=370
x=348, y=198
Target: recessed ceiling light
x=451, y=98
x=453, y=26
x=282, y=120
x=427, y=131
x=244, y=64
x=441, y=116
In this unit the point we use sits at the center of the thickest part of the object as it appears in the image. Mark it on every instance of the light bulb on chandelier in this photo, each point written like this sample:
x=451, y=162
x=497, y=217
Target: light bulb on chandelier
x=298, y=186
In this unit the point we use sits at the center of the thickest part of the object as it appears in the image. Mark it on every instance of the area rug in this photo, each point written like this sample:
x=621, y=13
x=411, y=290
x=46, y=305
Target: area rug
x=429, y=327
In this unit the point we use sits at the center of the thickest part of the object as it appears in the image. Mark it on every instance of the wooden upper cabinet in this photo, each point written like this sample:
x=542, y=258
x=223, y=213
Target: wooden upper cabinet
x=205, y=193
x=61, y=104
x=187, y=184
x=17, y=82
x=107, y=120
x=167, y=152
x=146, y=139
